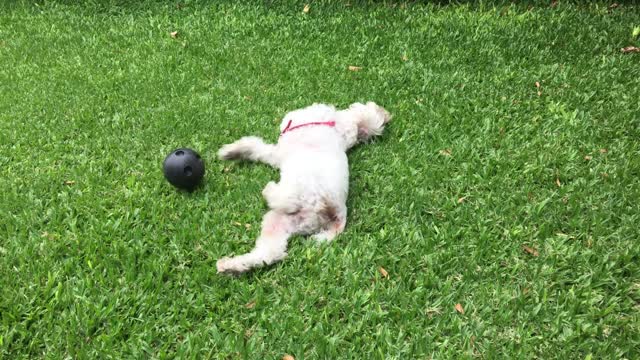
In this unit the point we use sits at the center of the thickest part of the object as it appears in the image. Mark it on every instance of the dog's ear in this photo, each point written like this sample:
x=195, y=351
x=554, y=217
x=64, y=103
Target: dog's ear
x=381, y=112
x=370, y=119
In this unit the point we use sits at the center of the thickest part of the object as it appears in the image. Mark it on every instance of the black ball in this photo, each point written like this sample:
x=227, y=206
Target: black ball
x=183, y=168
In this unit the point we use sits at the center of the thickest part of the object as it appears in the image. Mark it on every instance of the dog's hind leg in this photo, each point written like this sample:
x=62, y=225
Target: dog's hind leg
x=327, y=235
x=334, y=218
x=270, y=247
x=250, y=148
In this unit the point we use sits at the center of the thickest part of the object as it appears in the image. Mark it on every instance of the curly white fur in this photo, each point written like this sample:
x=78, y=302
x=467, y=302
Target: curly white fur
x=314, y=177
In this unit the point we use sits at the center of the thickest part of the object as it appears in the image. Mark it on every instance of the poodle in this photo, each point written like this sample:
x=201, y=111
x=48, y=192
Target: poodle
x=310, y=198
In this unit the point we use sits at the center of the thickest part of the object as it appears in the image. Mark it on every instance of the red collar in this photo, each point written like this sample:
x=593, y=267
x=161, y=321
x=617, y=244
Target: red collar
x=291, y=128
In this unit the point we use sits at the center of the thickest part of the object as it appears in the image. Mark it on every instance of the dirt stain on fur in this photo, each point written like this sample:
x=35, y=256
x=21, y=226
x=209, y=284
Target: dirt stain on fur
x=328, y=211
x=235, y=155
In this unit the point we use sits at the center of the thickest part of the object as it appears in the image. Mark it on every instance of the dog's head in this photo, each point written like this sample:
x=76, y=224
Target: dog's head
x=360, y=122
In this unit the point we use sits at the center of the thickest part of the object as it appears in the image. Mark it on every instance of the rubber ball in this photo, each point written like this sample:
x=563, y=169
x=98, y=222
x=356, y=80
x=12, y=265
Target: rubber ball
x=183, y=168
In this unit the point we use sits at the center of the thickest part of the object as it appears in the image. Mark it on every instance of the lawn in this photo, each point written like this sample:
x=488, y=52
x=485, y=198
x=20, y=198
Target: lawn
x=497, y=216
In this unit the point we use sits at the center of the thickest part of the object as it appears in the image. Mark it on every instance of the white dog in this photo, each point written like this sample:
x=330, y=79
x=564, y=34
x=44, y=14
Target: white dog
x=314, y=176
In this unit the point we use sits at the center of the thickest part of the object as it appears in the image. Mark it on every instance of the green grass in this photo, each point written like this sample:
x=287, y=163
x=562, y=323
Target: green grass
x=101, y=258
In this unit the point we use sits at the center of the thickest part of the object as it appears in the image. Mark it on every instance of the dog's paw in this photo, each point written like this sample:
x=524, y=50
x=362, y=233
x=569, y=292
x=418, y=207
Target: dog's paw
x=230, y=267
x=268, y=191
x=241, y=149
x=323, y=237
x=230, y=152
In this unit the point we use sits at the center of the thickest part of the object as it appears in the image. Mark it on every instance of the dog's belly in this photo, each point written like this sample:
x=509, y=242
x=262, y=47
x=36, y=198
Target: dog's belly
x=320, y=173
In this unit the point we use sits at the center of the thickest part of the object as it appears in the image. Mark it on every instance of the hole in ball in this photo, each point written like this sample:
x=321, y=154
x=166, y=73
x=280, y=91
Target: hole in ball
x=188, y=171
x=179, y=152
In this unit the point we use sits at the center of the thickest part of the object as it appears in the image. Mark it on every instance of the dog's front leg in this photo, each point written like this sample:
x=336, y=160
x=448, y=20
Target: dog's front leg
x=250, y=148
x=270, y=247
